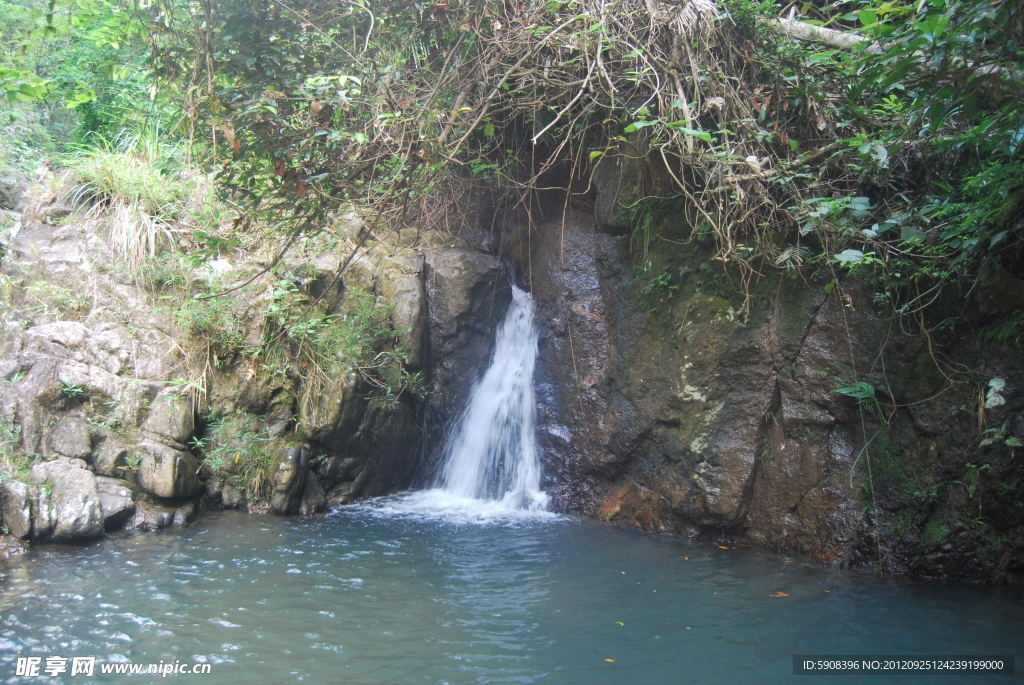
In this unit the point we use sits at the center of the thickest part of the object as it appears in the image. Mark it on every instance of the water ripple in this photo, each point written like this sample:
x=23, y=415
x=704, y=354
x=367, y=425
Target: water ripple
x=385, y=593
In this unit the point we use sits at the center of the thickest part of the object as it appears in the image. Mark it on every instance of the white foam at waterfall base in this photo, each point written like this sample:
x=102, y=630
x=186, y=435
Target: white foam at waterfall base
x=439, y=505
x=491, y=470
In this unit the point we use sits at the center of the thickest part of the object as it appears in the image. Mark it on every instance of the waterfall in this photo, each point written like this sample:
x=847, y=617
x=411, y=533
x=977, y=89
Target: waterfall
x=490, y=471
x=492, y=453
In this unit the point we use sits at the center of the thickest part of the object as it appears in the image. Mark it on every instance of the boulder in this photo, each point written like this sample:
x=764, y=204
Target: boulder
x=171, y=416
x=150, y=517
x=336, y=469
x=67, y=334
x=360, y=274
x=221, y=493
x=111, y=458
x=17, y=509
x=468, y=293
x=214, y=489
x=167, y=472
x=44, y=514
x=54, y=213
x=70, y=438
x=11, y=546
x=341, y=494
x=314, y=499
x=12, y=188
x=290, y=480
x=185, y=513
x=116, y=501
x=232, y=497
x=73, y=499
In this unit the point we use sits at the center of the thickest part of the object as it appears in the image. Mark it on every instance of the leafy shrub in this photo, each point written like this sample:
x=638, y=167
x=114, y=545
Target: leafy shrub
x=166, y=271
x=214, y=320
x=328, y=346
x=236, y=447
x=48, y=299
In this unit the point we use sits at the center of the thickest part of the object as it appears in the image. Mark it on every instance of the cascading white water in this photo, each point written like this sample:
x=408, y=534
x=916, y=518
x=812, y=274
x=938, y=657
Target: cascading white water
x=491, y=471
x=492, y=454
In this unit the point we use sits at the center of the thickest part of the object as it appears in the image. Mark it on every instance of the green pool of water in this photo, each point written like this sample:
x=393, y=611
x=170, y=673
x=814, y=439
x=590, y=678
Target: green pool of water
x=362, y=596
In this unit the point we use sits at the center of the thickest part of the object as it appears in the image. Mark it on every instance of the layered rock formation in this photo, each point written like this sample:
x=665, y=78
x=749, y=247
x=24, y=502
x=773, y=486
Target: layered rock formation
x=121, y=417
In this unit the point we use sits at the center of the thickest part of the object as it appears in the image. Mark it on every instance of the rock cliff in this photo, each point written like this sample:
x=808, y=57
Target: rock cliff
x=132, y=398
x=801, y=416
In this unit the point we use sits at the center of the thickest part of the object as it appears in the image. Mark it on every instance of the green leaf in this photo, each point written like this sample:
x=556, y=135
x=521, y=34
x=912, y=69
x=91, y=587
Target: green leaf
x=594, y=154
x=911, y=234
x=636, y=125
x=695, y=132
x=80, y=98
x=850, y=257
x=993, y=398
x=859, y=390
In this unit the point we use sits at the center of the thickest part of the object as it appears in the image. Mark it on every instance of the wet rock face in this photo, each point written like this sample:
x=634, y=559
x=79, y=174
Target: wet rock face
x=289, y=480
x=467, y=293
x=673, y=410
x=166, y=471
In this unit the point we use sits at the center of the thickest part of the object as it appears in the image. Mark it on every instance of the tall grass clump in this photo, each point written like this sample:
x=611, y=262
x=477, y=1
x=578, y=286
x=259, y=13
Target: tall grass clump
x=14, y=464
x=138, y=184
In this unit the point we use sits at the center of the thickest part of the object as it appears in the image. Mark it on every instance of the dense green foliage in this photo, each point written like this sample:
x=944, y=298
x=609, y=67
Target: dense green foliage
x=95, y=86
x=70, y=76
x=897, y=157
x=890, y=147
